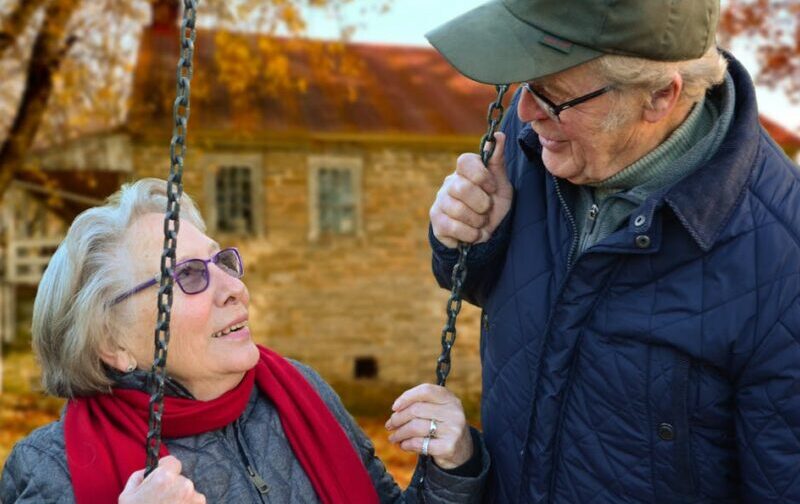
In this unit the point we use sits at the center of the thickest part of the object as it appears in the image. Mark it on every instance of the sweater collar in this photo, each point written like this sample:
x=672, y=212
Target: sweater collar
x=661, y=167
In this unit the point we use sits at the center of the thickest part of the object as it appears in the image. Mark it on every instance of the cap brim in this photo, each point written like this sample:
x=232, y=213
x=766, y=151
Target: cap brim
x=491, y=45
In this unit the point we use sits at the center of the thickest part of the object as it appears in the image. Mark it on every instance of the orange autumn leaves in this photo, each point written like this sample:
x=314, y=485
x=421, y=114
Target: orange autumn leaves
x=773, y=27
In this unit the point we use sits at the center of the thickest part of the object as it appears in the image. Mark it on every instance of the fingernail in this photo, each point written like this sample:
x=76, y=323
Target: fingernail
x=394, y=406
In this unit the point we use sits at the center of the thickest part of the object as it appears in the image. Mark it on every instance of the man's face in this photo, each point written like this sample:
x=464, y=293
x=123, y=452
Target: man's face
x=582, y=148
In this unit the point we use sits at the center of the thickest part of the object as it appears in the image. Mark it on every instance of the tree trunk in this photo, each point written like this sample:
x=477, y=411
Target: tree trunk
x=16, y=22
x=48, y=51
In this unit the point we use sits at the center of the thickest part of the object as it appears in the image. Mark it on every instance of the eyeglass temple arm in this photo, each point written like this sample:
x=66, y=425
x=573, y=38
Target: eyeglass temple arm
x=579, y=100
x=137, y=289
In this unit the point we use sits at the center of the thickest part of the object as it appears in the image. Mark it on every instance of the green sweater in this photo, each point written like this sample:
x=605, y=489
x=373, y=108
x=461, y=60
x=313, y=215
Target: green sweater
x=604, y=207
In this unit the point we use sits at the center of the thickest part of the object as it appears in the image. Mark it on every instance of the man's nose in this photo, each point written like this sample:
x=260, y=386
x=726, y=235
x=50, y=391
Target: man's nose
x=529, y=109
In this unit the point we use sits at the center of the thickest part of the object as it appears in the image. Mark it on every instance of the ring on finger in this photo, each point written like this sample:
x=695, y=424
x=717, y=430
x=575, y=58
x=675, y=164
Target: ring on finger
x=425, y=442
x=432, y=429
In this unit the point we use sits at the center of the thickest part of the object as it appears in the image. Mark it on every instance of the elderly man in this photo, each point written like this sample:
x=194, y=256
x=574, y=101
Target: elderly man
x=636, y=257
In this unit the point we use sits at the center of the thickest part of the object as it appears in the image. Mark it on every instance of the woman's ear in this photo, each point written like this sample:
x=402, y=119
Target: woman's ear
x=117, y=357
x=662, y=102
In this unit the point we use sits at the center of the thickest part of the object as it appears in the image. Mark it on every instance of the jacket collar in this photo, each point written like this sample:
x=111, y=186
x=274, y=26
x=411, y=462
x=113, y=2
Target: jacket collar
x=726, y=174
x=140, y=380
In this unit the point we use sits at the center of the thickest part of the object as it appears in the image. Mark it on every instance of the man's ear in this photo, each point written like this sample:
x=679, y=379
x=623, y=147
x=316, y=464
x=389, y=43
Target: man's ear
x=662, y=102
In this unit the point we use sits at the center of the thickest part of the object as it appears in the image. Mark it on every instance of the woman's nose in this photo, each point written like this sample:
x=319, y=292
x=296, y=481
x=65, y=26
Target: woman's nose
x=529, y=110
x=231, y=289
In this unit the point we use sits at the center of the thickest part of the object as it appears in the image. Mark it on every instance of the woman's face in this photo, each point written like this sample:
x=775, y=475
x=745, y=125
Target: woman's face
x=200, y=357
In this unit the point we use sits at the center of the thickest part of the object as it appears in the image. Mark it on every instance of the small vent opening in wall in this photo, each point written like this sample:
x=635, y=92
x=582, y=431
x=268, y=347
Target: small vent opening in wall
x=365, y=367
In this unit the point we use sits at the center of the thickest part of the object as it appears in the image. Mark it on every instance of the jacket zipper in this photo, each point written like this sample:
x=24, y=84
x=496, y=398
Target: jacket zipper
x=252, y=474
x=257, y=480
x=572, y=223
x=586, y=234
x=594, y=211
x=548, y=326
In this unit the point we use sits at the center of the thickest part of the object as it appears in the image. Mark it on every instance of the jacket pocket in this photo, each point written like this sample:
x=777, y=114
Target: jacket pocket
x=673, y=477
x=684, y=476
x=484, y=332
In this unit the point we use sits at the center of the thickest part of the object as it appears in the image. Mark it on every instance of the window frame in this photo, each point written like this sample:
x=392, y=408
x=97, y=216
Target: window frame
x=317, y=164
x=213, y=163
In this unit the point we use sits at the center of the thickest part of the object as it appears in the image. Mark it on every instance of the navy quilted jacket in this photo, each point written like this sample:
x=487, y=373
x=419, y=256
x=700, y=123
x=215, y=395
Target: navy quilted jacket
x=661, y=365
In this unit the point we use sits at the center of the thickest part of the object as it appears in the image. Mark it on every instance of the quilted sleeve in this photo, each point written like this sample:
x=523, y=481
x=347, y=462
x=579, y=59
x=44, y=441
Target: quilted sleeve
x=483, y=262
x=768, y=414
x=485, y=259
x=32, y=476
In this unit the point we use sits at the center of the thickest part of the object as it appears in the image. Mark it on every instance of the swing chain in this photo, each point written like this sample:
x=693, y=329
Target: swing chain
x=180, y=112
x=488, y=144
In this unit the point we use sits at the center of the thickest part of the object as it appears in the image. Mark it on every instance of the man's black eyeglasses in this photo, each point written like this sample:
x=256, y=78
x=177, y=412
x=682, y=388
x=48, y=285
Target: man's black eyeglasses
x=554, y=111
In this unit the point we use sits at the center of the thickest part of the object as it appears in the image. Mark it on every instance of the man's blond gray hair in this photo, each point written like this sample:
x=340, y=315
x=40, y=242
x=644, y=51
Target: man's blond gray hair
x=644, y=76
x=73, y=314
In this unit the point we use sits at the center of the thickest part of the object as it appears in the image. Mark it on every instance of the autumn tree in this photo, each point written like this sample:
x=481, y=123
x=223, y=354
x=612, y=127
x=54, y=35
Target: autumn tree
x=773, y=26
x=66, y=64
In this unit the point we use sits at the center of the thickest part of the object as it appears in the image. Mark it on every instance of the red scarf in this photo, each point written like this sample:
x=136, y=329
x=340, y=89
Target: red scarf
x=105, y=434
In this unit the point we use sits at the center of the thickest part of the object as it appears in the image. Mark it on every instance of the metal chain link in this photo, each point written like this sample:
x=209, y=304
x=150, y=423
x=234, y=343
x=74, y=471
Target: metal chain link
x=488, y=144
x=180, y=111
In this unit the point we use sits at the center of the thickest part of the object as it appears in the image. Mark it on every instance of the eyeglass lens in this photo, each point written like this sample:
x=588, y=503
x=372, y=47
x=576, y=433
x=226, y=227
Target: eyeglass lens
x=228, y=260
x=192, y=275
x=548, y=109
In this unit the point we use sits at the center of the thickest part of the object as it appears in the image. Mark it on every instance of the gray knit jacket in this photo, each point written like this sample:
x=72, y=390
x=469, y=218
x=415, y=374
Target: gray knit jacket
x=249, y=460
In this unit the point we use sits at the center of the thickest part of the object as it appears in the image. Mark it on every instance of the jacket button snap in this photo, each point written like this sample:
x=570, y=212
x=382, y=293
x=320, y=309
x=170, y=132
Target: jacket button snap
x=639, y=220
x=642, y=241
x=666, y=432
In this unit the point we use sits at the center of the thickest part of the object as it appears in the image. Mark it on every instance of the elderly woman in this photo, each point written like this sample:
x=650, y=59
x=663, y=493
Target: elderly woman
x=241, y=424
x=636, y=257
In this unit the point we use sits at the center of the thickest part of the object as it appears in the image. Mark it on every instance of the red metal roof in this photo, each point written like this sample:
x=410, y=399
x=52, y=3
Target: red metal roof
x=784, y=137
x=396, y=90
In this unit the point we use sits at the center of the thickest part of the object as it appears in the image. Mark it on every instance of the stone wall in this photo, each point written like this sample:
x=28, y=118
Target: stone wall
x=332, y=300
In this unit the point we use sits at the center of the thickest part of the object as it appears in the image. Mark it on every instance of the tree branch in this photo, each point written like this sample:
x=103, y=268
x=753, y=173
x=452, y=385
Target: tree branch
x=16, y=22
x=48, y=51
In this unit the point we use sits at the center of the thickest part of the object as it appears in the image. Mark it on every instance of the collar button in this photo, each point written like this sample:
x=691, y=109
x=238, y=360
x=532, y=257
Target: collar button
x=642, y=241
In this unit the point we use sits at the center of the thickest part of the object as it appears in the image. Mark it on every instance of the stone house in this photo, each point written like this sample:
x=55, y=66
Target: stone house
x=324, y=187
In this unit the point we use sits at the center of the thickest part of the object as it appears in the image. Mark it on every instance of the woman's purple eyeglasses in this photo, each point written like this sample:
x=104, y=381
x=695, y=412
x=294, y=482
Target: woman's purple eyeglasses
x=192, y=275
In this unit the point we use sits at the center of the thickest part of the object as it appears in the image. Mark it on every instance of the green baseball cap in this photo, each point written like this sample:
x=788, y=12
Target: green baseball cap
x=507, y=41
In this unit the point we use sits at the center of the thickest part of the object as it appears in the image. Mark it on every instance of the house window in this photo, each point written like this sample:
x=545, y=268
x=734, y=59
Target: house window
x=337, y=208
x=365, y=368
x=234, y=193
x=335, y=196
x=234, y=190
